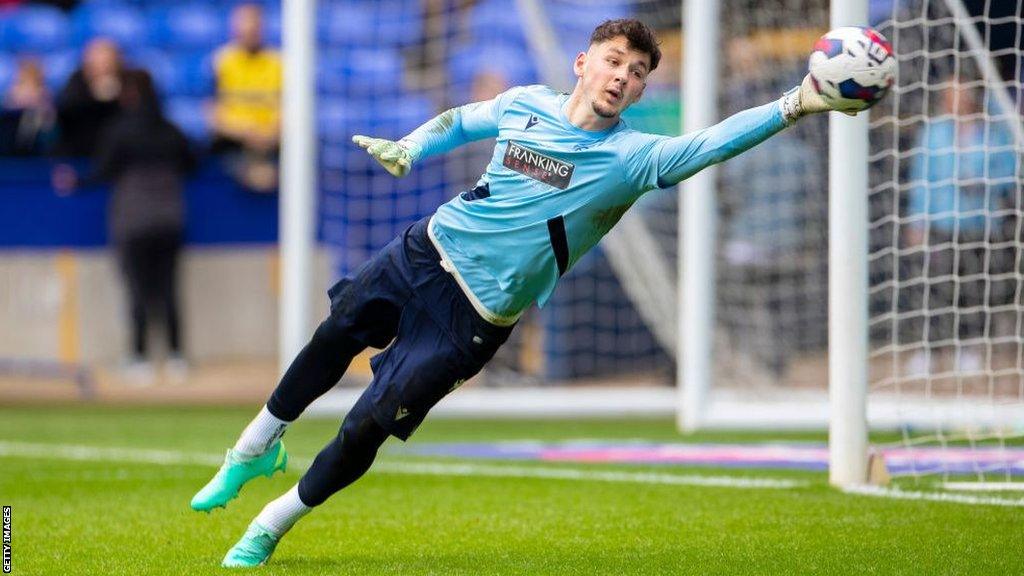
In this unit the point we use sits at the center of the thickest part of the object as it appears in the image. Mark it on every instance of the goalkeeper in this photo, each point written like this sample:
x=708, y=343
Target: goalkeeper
x=447, y=292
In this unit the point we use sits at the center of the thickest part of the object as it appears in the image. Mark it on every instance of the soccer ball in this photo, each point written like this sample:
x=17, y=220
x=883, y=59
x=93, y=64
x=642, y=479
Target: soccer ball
x=852, y=68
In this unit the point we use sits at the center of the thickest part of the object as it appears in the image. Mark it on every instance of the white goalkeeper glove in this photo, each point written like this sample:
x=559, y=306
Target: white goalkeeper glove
x=395, y=157
x=803, y=100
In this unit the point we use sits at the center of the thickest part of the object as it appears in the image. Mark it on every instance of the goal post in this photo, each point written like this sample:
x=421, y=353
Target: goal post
x=697, y=219
x=848, y=280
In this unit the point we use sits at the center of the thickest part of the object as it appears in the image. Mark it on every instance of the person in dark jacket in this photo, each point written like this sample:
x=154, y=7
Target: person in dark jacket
x=146, y=158
x=89, y=99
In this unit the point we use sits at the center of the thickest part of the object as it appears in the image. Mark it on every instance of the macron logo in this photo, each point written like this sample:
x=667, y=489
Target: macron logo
x=533, y=121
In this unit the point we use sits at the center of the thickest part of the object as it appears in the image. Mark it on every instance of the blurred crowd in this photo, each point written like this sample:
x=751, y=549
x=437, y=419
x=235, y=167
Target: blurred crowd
x=243, y=115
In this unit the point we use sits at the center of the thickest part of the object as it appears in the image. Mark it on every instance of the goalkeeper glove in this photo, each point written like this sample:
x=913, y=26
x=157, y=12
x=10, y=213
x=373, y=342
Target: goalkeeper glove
x=803, y=100
x=395, y=157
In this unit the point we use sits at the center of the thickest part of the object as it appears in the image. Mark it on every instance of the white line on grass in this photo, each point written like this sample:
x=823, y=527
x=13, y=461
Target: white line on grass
x=170, y=457
x=897, y=494
x=449, y=469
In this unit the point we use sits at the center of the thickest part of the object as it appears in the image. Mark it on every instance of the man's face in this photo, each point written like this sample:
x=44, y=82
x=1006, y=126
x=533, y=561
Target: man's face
x=612, y=75
x=247, y=22
x=101, y=58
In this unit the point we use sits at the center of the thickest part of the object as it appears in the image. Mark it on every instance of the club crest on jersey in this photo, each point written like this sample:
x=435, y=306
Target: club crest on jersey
x=533, y=121
x=535, y=165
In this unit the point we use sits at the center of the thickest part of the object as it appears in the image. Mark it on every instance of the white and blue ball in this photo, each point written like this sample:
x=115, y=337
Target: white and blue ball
x=852, y=68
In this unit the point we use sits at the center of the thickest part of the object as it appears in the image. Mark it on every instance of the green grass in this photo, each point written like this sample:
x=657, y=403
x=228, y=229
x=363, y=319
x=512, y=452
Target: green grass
x=82, y=517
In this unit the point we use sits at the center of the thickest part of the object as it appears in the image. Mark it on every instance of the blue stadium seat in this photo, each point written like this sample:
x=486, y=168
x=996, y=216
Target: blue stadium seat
x=188, y=26
x=571, y=20
x=396, y=23
x=195, y=73
x=8, y=67
x=159, y=65
x=333, y=122
x=58, y=67
x=469, y=60
x=125, y=24
x=34, y=29
x=272, y=25
x=178, y=73
x=385, y=117
x=359, y=72
x=188, y=114
x=496, y=21
x=574, y=26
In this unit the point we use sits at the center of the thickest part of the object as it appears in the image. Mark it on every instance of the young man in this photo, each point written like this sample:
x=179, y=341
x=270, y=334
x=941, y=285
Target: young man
x=450, y=289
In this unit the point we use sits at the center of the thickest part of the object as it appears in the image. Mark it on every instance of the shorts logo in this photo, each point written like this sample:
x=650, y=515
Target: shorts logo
x=402, y=413
x=535, y=165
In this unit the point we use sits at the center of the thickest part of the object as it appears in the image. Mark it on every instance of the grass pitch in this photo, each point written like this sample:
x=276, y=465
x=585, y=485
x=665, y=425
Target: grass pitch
x=110, y=512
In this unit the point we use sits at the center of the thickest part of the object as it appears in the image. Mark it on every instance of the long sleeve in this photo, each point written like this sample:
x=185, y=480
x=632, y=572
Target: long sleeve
x=461, y=125
x=660, y=161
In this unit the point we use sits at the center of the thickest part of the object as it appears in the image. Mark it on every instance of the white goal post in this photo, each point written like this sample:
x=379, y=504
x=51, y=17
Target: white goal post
x=848, y=281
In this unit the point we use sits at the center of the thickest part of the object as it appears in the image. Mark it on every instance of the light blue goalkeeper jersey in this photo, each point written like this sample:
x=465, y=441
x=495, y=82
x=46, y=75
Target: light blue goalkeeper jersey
x=552, y=190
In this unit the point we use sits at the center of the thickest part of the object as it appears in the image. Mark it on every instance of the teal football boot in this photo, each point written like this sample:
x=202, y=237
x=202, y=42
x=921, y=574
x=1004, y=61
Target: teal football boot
x=254, y=549
x=234, y=473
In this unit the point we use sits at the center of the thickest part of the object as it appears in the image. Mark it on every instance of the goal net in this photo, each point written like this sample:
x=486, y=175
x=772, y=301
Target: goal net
x=945, y=257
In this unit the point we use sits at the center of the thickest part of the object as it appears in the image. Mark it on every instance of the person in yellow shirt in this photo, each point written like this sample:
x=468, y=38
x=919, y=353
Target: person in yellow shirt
x=246, y=117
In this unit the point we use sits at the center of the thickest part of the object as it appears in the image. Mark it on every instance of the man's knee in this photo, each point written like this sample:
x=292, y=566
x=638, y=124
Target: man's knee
x=330, y=335
x=360, y=433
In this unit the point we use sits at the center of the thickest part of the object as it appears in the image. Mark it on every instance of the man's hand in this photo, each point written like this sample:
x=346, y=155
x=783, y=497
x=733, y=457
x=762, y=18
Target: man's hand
x=803, y=100
x=64, y=179
x=395, y=157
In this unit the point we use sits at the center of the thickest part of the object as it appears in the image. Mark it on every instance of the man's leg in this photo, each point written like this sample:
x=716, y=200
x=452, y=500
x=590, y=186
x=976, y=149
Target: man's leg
x=365, y=309
x=346, y=458
x=419, y=368
x=133, y=263
x=258, y=451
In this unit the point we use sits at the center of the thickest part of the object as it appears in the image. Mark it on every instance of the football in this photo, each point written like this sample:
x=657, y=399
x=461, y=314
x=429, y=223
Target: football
x=852, y=68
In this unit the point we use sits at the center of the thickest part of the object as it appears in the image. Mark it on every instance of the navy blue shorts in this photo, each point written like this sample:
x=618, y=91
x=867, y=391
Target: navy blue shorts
x=437, y=339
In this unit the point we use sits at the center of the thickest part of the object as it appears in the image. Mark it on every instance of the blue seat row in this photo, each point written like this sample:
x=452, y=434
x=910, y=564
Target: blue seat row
x=337, y=120
x=200, y=25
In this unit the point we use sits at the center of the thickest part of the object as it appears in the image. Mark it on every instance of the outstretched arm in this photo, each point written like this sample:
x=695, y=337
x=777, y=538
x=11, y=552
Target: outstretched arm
x=443, y=133
x=676, y=159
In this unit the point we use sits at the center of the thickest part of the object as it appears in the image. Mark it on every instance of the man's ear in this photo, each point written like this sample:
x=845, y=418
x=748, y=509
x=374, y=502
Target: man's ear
x=579, y=63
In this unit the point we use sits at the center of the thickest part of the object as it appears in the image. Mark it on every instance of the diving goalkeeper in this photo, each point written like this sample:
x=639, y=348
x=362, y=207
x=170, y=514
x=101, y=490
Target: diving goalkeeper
x=448, y=291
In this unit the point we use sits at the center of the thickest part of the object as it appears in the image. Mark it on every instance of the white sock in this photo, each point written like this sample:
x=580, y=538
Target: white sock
x=260, y=434
x=280, y=515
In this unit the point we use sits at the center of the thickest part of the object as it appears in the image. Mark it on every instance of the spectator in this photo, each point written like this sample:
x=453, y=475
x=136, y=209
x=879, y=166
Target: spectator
x=146, y=158
x=28, y=117
x=247, y=111
x=960, y=211
x=89, y=99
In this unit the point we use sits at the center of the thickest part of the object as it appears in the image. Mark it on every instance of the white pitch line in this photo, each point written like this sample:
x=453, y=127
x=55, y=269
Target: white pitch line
x=897, y=494
x=170, y=457
x=97, y=454
x=446, y=469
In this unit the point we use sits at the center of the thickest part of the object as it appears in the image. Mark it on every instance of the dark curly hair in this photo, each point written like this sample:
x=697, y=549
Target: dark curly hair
x=638, y=34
